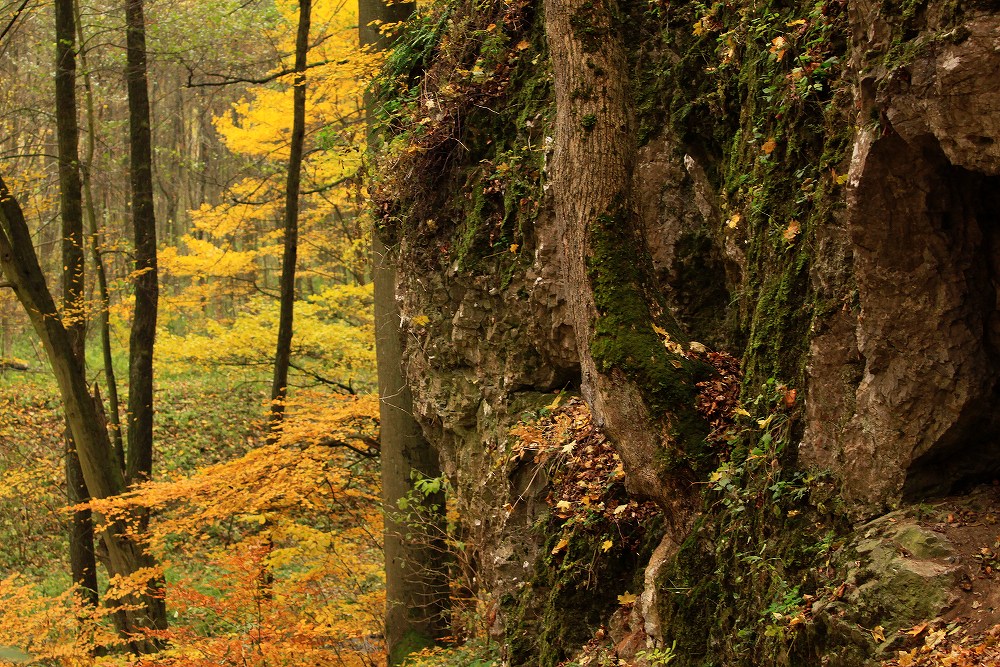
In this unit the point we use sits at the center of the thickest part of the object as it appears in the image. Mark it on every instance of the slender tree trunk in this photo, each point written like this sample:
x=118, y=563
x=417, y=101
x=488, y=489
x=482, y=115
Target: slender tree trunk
x=101, y=471
x=103, y=316
x=139, y=455
x=139, y=460
x=591, y=179
x=417, y=594
x=83, y=565
x=283, y=351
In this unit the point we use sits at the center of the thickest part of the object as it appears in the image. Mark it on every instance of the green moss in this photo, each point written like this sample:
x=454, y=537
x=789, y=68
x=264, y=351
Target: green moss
x=573, y=592
x=586, y=27
x=411, y=642
x=588, y=122
x=624, y=338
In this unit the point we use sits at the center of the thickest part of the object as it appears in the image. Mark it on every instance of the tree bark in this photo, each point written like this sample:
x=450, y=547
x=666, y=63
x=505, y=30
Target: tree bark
x=591, y=178
x=139, y=460
x=283, y=351
x=417, y=597
x=83, y=565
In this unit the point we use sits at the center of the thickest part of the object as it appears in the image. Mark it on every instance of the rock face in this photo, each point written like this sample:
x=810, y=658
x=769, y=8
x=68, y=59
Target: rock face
x=843, y=242
x=914, y=418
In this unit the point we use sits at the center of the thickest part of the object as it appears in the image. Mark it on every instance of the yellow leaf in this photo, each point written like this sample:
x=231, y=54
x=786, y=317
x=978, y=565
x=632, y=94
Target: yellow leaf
x=796, y=22
x=523, y=45
x=627, y=598
x=878, y=633
x=734, y=220
x=769, y=146
x=560, y=546
x=421, y=320
x=620, y=509
x=564, y=505
x=514, y=247
x=778, y=45
x=606, y=545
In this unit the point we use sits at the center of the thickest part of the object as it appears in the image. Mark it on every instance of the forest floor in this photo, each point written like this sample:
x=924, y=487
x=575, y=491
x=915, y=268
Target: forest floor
x=968, y=633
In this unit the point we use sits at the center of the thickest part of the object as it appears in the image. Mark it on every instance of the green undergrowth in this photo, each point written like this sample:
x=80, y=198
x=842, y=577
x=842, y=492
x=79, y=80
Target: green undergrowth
x=759, y=554
x=201, y=418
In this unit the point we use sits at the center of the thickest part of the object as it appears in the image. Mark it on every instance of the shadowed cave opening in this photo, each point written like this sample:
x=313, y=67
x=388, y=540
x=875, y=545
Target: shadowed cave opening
x=928, y=260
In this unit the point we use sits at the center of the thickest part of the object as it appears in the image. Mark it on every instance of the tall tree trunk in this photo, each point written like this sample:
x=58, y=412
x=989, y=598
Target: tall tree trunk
x=591, y=178
x=103, y=316
x=283, y=351
x=93, y=231
x=101, y=471
x=417, y=595
x=83, y=565
x=139, y=456
x=139, y=461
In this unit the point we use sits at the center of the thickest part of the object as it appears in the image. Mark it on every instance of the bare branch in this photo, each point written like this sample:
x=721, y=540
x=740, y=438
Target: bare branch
x=227, y=80
x=13, y=19
x=327, y=381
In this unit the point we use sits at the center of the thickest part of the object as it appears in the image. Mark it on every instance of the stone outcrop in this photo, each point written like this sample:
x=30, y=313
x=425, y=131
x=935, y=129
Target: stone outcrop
x=864, y=277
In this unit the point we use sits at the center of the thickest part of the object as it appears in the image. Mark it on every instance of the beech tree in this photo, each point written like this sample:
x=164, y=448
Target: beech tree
x=283, y=351
x=139, y=461
x=83, y=566
x=416, y=584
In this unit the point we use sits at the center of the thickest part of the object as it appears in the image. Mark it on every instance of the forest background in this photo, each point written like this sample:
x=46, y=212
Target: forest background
x=268, y=540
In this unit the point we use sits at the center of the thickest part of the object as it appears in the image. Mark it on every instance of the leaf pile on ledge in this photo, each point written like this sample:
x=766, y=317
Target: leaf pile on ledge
x=719, y=396
x=939, y=651
x=586, y=475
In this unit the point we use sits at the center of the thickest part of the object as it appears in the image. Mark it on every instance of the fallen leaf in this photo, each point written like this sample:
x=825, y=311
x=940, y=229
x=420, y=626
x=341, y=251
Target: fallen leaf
x=734, y=220
x=564, y=505
x=769, y=146
x=777, y=49
x=878, y=633
x=627, y=598
x=620, y=509
x=560, y=546
x=791, y=231
x=606, y=545
x=523, y=45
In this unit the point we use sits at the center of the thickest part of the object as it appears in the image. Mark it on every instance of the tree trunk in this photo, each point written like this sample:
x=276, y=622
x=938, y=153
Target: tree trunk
x=103, y=316
x=417, y=597
x=139, y=461
x=606, y=261
x=283, y=351
x=83, y=565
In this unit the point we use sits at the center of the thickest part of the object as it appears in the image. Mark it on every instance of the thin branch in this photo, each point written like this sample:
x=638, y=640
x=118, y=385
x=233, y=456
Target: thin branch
x=327, y=381
x=227, y=80
x=13, y=20
x=373, y=451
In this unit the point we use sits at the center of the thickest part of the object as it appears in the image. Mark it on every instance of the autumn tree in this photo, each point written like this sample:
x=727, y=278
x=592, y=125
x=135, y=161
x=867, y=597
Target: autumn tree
x=101, y=471
x=139, y=462
x=283, y=350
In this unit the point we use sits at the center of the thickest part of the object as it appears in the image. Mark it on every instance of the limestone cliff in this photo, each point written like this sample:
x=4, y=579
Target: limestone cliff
x=812, y=190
